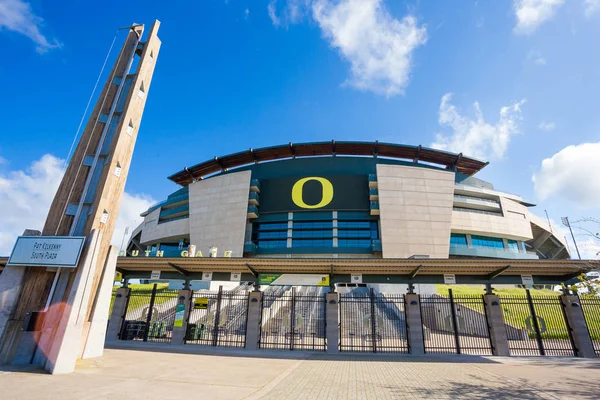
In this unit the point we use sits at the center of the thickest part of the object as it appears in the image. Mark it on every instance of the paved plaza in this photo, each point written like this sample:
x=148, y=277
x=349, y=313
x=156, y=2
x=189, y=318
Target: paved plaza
x=237, y=374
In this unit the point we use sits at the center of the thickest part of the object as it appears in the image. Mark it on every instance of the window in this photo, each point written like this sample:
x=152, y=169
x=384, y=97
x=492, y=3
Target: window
x=272, y=244
x=272, y=235
x=312, y=243
x=513, y=245
x=458, y=240
x=362, y=243
x=342, y=233
x=489, y=242
x=312, y=234
x=273, y=226
x=462, y=209
x=355, y=224
x=313, y=225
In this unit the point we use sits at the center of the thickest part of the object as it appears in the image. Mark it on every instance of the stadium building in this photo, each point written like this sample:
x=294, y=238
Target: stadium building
x=343, y=200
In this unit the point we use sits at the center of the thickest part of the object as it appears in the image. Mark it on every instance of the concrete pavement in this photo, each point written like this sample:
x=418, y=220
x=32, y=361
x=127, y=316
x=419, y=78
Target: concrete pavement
x=237, y=374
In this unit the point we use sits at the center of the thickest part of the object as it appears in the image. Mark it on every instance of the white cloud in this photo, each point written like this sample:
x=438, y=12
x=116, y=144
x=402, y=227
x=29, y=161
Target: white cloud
x=591, y=7
x=17, y=16
x=533, y=13
x=272, y=13
x=571, y=174
x=547, y=126
x=246, y=13
x=378, y=46
x=25, y=197
x=476, y=137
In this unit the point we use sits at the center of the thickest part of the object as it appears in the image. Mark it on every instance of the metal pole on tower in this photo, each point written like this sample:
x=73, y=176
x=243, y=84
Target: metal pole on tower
x=565, y=221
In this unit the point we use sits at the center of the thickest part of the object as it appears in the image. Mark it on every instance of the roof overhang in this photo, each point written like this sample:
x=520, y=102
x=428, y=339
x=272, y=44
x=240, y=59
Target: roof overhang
x=373, y=270
x=458, y=162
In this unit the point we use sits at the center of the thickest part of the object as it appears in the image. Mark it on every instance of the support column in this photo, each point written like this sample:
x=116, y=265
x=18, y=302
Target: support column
x=414, y=324
x=93, y=345
x=254, y=320
x=179, y=332
x=118, y=311
x=495, y=321
x=579, y=330
x=333, y=323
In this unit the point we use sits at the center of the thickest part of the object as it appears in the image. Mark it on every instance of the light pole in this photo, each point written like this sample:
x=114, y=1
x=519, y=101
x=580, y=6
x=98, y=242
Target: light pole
x=123, y=240
x=565, y=221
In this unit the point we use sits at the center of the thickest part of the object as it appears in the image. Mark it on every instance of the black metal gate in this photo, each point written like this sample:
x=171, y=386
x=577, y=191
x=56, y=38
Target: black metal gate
x=293, y=319
x=218, y=318
x=591, y=311
x=455, y=324
x=536, y=325
x=371, y=322
x=150, y=314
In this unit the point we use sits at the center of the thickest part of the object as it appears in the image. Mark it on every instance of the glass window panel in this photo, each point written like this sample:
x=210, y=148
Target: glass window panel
x=360, y=243
x=458, y=240
x=272, y=244
x=485, y=241
x=312, y=243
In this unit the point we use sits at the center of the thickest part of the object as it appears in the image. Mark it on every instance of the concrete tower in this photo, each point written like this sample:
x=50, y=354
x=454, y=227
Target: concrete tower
x=74, y=302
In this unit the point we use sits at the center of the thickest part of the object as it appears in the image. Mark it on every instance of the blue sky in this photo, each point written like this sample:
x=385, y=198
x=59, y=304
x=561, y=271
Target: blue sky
x=512, y=82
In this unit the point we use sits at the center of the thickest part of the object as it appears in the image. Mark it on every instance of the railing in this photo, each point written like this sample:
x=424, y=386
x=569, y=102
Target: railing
x=591, y=311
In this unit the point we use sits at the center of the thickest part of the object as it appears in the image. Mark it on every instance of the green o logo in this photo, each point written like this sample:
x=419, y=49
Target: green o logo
x=325, y=199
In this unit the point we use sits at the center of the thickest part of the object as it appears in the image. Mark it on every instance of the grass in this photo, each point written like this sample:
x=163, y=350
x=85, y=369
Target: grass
x=474, y=290
x=516, y=309
x=143, y=293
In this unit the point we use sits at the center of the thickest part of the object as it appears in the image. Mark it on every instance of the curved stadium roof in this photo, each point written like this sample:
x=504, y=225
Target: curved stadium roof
x=466, y=165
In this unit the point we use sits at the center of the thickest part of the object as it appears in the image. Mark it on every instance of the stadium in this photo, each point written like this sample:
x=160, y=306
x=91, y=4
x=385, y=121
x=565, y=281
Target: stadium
x=341, y=246
x=344, y=200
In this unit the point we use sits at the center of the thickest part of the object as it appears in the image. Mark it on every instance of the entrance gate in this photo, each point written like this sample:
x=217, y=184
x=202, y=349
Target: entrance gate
x=293, y=319
x=591, y=310
x=372, y=322
x=455, y=324
x=218, y=318
x=536, y=325
x=149, y=315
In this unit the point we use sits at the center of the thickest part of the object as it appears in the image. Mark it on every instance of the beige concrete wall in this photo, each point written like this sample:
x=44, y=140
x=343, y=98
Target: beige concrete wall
x=415, y=206
x=218, y=212
x=152, y=231
x=513, y=225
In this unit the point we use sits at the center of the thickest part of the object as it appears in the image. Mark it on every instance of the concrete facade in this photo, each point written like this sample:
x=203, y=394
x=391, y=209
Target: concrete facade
x=497, y=327
x=173, y=230
x=415, y=210
x=218, y=213
x=254, y=320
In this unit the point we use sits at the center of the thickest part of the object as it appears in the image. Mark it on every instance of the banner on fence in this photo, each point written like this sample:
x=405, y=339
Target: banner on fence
x=179, y=314
x=293, y=279
x=527, y=279
x=450, y=279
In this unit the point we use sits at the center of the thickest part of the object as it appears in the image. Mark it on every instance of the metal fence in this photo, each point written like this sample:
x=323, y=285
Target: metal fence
x=150, y=314
x=536, y=325
x=371, y=322
x=293, y=319
x=455, y=324
x=218, y=318
x=591, y=310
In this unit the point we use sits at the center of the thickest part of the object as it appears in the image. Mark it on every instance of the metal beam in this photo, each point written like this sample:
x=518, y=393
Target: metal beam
x=254, y=156
x=376, y=149
x=416, y=271
x=333, y=147
x=179, y=269
x=292, y=150
x=252, y=270
x=497, y=272
x=417, y=154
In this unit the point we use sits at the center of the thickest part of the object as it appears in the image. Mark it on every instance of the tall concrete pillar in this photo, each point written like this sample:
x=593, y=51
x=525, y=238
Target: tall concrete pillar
x=116, y=316
x=97, y=326
x=495, y=320
x=333, y=323
x=414, y=324
x=184, y=298
x=579, y=329
x=254, y=320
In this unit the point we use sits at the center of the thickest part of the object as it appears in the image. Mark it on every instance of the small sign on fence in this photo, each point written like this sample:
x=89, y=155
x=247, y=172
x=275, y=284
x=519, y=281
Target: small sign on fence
x=450, y=279
x=207, y=276
x=179, y=314
x=236, y=276
x=154, y=275
x=356, y=278
x=201, y=303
